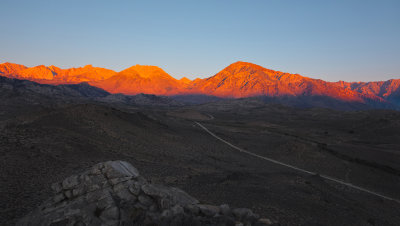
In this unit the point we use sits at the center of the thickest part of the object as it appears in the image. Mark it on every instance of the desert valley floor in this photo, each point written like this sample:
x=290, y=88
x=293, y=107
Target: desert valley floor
x=40, y=146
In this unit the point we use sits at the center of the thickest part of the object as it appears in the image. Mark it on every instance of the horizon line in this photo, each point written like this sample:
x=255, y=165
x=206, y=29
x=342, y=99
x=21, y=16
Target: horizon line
x=207, y=76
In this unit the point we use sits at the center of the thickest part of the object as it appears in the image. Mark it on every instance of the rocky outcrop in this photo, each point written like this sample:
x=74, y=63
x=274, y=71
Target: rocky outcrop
x=114, y=193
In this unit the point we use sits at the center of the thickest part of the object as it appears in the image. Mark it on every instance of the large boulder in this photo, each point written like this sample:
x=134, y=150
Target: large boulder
x=114, y=193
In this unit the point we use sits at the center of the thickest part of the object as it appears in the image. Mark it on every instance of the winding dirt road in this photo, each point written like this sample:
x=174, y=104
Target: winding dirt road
x=296, y=168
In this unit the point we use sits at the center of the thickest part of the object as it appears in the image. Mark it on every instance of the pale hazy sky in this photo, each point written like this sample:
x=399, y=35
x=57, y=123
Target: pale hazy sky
x=332, y=40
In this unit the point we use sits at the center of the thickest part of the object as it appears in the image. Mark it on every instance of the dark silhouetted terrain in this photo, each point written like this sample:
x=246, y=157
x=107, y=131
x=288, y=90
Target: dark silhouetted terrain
x=48, y=133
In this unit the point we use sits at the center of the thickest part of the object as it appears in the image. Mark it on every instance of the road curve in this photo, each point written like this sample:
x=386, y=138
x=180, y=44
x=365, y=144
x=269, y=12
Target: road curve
x=210, y=116
x=297, y=168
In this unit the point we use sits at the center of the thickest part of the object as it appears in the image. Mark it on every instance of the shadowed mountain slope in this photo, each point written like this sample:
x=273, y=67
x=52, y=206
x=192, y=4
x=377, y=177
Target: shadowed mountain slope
x=21, y=96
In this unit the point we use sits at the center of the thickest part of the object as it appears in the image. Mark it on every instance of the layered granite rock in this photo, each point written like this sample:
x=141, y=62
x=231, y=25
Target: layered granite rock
x=113, y=193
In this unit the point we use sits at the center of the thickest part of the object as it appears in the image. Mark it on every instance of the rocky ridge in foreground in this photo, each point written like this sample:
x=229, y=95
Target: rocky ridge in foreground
x=113, y=193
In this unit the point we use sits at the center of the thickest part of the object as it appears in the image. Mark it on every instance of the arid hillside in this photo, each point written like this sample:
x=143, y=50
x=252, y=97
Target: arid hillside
x=47, y=139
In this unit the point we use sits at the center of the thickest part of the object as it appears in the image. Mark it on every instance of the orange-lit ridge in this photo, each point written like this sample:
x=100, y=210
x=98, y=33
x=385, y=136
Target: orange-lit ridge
x=240, y=79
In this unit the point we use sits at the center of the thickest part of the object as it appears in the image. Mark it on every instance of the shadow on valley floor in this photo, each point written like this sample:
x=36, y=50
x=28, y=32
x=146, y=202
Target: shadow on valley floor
x=46, y=145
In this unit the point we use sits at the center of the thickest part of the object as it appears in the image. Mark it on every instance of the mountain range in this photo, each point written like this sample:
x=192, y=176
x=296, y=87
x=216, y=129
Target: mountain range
x=238, y=80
